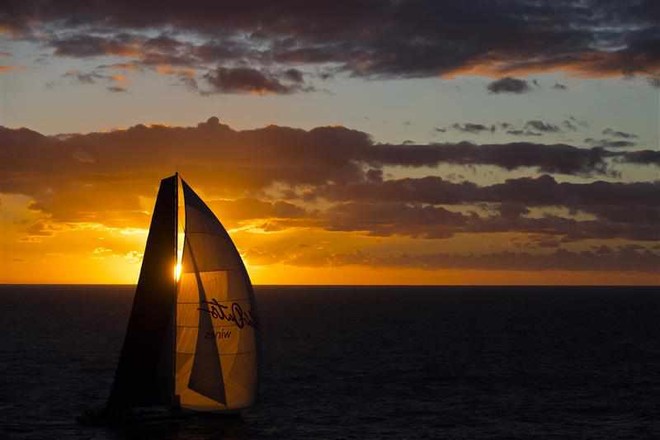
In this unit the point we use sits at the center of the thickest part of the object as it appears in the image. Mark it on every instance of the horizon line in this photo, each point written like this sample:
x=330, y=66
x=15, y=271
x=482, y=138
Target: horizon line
x=351, y=285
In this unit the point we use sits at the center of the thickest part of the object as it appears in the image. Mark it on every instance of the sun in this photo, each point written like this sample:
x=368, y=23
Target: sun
x=177, y=271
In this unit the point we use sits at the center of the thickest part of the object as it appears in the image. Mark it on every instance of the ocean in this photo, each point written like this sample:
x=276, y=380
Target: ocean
x=364, y=363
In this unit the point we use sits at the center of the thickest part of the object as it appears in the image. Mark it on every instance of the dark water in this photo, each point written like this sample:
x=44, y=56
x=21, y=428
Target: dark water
x=365, y=363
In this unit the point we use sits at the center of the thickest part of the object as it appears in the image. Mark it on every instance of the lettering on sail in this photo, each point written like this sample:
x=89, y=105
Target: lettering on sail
x=233, y=313
x=220, y=334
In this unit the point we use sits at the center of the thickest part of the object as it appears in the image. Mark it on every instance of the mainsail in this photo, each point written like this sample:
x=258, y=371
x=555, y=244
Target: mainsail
x=193, y=343
x=144, y=373
x=216, y=359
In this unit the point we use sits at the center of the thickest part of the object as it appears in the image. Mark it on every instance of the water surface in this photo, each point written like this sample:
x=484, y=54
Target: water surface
x=364, y=363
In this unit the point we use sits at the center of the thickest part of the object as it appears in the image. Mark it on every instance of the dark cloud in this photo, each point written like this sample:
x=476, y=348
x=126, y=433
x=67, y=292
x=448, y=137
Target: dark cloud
x=122, y=165
x=371, y=38
x=530, y=128
x=523, y=133
x=609, y=143
x=643, y=157
x=626, y=211
x=570, y=124
x=246, y=80
x=85, y=78
x=542, y=126
x=636, y=214
x=509, y=85
x=510, y=210
x=541, y=191
x=470, y=127
x=83, y=46
x=294, y=75
x=555, y=158
x=559, y=86
x=386, y=219
x=578, y=122
x=374, y=175
x=619, y=134
x=338, y=169
x=546, y=191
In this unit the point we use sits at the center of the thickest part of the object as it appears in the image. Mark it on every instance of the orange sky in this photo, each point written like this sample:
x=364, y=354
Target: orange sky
x=79, y=206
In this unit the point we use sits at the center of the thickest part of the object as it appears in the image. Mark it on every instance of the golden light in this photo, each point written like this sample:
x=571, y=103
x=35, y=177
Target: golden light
x=177, y=271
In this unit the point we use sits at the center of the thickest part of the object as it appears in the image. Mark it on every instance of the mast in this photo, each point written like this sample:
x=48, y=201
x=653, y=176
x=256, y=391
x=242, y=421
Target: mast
x=174, y=401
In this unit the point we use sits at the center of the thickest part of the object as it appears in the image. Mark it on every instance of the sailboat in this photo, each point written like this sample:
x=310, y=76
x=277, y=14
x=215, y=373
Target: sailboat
x=191, y=344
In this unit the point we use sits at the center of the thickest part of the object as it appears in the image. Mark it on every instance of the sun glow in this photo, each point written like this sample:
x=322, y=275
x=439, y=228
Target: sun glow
x=177, y=271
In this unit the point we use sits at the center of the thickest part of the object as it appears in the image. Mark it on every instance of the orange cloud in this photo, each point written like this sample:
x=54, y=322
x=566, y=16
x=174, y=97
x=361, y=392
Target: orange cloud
x=131, y=50
x=167, y=69
x=119, y=78
x=585, y=65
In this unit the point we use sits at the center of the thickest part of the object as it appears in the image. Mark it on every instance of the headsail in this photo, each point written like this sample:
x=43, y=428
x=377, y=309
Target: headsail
x=216, y=362
x=145, y=371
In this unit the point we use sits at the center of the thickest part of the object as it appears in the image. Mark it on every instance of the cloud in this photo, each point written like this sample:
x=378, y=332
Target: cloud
x=542, y=126
x=609, y=202
x=114, y=82
x=85, y=78
x=384, y=218
x=609, y=143
x=643, y=157
x=518, y=132
x=248, y=209
x=471, y=127
x=532, y=128
x=294, y=75
x=509, y=85
x=570, y=124
x=402, y=39
x=526, y=191
x=327, y=177
x=247, y=80
x=553, y=158
x=617, y=139
x=247, y=160
x=84, y=46
x=619, y=134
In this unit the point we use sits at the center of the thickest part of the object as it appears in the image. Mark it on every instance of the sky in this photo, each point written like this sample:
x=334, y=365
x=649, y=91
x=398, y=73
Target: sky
x=357, y=142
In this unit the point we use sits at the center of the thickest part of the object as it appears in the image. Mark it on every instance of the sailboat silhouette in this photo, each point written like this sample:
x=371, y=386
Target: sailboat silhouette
x=191, y=343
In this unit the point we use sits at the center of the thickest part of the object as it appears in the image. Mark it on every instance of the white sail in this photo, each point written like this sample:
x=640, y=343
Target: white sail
x=216, y=351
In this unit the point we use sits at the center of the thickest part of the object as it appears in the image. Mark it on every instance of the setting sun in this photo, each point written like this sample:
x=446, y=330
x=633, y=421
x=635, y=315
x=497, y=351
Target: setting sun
x=177, y=271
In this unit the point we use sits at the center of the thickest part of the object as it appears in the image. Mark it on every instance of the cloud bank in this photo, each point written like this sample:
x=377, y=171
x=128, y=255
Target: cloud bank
x=335, y=179
x=364, y=38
